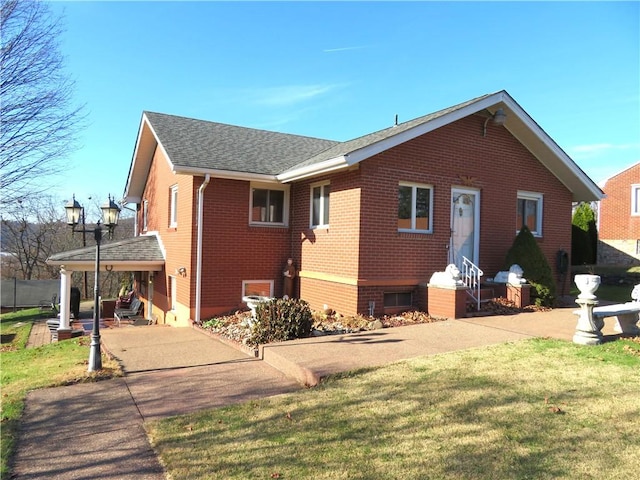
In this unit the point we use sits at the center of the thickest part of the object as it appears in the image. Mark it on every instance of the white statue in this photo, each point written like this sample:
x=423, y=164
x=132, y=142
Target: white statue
x=635, y=293
x=512, y=277
x=515, y=275
x=450, y=277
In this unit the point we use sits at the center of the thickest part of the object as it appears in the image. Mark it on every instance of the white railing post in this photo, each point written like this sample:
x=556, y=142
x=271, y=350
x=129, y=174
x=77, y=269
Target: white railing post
x=471, y=277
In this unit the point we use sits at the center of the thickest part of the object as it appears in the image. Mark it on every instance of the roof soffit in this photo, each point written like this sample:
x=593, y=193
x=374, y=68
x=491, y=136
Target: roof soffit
x=143, y=154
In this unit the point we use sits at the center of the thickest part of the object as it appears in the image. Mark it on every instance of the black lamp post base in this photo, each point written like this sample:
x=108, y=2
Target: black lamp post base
x=95, y=355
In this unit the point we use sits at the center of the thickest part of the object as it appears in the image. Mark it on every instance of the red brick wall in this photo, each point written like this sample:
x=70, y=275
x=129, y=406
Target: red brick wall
x=233, y=250
x=361, y=255
x=366, y=247
x=177, y=241
x=616, y=221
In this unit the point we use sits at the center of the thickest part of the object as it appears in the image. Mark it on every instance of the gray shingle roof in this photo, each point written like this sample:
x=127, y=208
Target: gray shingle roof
x=137, y=249
x=209, y=145
x=350, y=146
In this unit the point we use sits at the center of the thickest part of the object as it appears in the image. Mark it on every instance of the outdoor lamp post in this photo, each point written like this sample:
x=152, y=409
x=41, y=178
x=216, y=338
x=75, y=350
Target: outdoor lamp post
x=110, y=213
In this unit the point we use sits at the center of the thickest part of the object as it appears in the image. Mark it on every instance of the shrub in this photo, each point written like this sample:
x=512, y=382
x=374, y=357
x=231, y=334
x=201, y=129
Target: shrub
x=281, y=319
x=526, y=253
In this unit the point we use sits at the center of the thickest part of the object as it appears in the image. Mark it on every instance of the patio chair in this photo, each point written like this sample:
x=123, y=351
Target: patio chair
x=124, y=301
x=125, y=313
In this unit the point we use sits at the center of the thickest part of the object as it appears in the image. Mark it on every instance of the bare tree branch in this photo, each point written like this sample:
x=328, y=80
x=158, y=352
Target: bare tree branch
x=38, y=124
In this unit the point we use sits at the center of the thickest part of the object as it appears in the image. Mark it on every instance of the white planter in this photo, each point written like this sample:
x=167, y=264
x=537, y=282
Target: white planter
x=252, y=302
x=587, y=284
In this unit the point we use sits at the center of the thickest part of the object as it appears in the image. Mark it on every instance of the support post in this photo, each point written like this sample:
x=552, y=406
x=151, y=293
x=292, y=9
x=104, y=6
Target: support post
x=64, y=328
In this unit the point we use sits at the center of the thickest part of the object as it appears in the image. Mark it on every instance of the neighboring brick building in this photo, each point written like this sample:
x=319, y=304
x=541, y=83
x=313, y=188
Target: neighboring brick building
x=367, y=221
x=619, y=219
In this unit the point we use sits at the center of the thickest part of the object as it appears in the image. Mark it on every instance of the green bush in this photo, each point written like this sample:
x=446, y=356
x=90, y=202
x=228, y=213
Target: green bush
x=584, y=236
x=537, y=271
x=281, y=319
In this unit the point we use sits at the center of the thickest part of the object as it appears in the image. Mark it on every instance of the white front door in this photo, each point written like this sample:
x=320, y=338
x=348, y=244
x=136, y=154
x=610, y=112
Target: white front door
x=465, y=225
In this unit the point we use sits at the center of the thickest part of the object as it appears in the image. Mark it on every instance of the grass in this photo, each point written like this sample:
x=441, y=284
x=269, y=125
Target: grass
x=534, y=409
x=23, y=369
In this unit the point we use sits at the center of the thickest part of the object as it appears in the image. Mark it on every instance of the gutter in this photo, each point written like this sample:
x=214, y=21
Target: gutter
x=207, y=178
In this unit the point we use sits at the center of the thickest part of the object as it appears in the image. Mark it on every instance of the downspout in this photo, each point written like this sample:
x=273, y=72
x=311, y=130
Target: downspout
x=207, y=178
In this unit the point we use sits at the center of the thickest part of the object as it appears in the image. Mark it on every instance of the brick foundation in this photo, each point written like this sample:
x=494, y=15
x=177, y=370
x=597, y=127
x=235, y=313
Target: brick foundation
x=519, y=294
x=447, y=302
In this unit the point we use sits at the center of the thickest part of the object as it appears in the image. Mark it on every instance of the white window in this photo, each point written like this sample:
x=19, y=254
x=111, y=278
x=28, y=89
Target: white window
x=173, y=211
x=415, y=208
x=145, y=215
x=173, y=289
x=635, y=199
x=529, y=212
x=269, y=204
x=262, y=288
x=320, y=205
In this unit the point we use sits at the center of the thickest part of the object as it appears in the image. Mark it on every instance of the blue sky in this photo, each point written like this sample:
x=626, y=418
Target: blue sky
x=339, y=70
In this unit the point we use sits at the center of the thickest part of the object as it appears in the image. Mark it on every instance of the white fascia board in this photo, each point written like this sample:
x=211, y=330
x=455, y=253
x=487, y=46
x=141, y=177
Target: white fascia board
x=327, y=166
x=141, y=149
x=549, y=143
x=379, y=147
x=143, y=120
x=117, y=266
x=357, y=156
x=226, y=174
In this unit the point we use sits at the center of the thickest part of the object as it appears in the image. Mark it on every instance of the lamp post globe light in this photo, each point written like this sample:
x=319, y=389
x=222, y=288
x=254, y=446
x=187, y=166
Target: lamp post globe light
x=110, y=214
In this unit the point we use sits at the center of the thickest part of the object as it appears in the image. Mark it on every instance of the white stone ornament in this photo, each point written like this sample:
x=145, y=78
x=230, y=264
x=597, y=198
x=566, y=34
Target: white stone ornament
x=449, y=278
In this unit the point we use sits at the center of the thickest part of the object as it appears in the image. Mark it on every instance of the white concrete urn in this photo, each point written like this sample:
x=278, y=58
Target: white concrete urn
x=252, y=302
x=587, y=284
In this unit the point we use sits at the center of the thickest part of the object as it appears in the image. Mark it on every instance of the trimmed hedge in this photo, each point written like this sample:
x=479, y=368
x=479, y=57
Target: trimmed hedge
x=537, y=271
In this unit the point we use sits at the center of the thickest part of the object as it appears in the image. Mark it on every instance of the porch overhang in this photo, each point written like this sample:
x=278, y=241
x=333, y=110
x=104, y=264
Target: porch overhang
x=137, y=254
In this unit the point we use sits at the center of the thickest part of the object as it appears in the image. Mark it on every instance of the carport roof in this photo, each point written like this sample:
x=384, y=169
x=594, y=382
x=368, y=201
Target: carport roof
x=142, y=253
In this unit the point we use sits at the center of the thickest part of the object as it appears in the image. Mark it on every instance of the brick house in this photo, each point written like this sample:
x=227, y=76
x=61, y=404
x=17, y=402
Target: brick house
x=619, y=219
x=366, y=221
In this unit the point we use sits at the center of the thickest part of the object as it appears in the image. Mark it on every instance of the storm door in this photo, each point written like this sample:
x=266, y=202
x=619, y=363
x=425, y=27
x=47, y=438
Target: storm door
x=465, y=225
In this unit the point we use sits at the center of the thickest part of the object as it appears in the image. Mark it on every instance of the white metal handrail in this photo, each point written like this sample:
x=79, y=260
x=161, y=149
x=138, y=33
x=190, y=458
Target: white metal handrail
x=471, y=274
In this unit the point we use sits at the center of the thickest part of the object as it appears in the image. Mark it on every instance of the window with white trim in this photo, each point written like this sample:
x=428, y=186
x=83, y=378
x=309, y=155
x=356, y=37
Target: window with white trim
x=145, y=215
x=415, y=208
x=173, y=209
x=529, y=212
x=269, y=204
x=319, y=213
x=635, y=199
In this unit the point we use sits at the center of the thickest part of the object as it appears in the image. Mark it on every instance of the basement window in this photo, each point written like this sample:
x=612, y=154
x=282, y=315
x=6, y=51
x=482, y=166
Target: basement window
x=397, y=300
x=262, y=288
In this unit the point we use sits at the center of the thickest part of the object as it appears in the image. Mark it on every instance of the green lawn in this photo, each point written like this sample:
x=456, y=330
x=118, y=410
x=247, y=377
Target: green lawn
x=539, y=409
x=27, y=369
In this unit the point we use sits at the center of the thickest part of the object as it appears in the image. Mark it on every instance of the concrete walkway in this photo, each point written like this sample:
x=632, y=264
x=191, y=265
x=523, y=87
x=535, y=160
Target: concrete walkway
x=97, y=430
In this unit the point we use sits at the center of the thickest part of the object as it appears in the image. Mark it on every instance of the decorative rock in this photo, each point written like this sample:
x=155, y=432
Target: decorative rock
x=375, y=325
